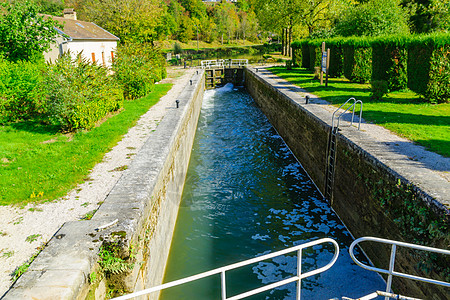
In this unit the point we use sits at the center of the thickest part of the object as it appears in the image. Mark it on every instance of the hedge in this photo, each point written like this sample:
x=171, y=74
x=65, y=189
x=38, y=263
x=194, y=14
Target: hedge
x=421, y=63
x=429, y=67
x=389, y=62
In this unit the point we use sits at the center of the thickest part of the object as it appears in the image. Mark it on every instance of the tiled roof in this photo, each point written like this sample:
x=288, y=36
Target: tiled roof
x=82, y=30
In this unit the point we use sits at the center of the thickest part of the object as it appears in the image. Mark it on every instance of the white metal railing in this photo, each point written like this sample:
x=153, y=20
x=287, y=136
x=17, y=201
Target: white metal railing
x=353, y=106
x=391, y=271
x=208, y=64
x=222, y=63
x=222, y=271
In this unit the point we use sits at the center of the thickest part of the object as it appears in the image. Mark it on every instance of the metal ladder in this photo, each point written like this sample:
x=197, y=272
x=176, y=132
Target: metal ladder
x=332, y=143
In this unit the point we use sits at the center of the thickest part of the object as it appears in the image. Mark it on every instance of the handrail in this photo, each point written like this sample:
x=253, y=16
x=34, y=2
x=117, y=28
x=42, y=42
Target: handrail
x=222, y=271
x=391, y=271
x=220, y=63
x=353, y=113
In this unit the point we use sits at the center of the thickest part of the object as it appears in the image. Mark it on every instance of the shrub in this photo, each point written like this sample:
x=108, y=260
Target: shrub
x=305, y=56
x=79, y=93
x=315, y=55
x=137, y=67
x=429, y=67
x=357, y=60
x=389, y=61
x=21, y=91
x=379, y=89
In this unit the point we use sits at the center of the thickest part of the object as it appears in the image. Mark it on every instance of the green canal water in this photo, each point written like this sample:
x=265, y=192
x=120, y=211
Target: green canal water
x=246, y=195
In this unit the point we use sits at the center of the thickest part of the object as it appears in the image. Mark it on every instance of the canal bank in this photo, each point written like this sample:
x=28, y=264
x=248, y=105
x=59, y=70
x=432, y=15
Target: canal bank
x=135, y=222
x=68, y=268
x=378, y=189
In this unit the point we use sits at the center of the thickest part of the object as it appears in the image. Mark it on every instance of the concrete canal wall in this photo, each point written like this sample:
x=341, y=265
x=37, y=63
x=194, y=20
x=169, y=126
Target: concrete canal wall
x=141, y=211
x=377, y=190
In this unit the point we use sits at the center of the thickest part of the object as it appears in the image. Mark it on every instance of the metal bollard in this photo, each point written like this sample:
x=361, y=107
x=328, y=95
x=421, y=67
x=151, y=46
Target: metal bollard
x=190, y=81
x=177, y=102
x=307, y=99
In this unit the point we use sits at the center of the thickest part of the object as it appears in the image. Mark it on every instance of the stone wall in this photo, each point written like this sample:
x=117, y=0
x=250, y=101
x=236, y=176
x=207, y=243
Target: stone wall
x=371, y=198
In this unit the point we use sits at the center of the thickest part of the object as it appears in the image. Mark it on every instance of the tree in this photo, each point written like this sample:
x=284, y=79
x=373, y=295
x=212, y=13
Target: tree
x=130, y=20
x=428, y=15
x=51, y=7
x=376, y=17
x=24, y=34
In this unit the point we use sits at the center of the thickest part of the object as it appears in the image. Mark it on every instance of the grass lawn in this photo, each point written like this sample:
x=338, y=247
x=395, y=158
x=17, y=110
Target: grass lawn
x=402, y=112
x=38, y=163
x=192, y=44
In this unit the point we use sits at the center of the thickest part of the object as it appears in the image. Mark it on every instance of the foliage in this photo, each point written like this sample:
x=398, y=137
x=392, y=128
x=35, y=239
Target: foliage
x=24, y=34
x=130, y=20
x=111, y=261
x=373, y=18
x=37, y=159
x=357, y=63
x=380, y=88
x=21, y=91
x=79, y=93
x=137, y=67
x=427, y=16
x=50, y=7
x=429, y=68
x=390, y=61
x=177, y=48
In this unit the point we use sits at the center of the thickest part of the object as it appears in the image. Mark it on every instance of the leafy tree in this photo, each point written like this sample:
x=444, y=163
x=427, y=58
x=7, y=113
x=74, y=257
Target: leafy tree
x=373, y=18
x=51, y=7
x=24, y=34
x=428, y=15
x=130, y=20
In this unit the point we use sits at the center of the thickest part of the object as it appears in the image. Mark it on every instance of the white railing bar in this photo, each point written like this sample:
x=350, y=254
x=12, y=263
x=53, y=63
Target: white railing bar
x=394, y=273
x=223, y=285
x=242, y=264
x=391, y=269
x=264, y=288
x=299, y=274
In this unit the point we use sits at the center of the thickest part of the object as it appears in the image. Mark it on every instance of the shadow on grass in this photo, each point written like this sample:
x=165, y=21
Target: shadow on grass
x=36, y=127
x=383, y=117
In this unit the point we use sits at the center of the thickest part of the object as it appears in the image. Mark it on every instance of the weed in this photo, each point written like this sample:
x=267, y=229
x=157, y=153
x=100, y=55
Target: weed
x=89, y=215
x=85, y=204
x=32, y=238
x=19, y=220
x=2, y=233
x=121, y=168
x=32, y=209
x=24, y=267
x=111, y=262
x=7, y=254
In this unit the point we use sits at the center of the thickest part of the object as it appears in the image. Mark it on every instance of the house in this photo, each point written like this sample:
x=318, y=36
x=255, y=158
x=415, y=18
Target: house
x=95, y=43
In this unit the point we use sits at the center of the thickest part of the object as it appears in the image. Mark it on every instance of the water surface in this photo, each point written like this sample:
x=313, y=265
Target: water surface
x=246, y=195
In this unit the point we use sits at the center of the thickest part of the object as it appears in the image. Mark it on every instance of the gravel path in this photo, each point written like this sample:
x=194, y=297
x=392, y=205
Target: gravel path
x=24, y=229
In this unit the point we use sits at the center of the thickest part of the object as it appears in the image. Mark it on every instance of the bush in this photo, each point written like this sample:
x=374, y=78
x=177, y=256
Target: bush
x=79, y=93
x=21, y=90
x=358, y=60
x=305, y=56
x=429, y=67
x=389, y=56
x=379, y=89
x=315, y=55
x=137, y=67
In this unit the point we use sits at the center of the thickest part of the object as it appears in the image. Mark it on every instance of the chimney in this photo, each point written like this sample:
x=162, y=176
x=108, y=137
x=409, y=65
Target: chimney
x=69, y=13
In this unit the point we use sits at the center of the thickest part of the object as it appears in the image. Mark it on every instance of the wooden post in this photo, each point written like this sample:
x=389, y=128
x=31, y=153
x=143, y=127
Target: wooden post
x=328, y=66
x=321, y=69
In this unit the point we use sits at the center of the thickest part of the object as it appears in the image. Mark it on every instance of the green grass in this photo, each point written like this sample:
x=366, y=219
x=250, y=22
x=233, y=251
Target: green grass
x=402, y=112
x=38, y=163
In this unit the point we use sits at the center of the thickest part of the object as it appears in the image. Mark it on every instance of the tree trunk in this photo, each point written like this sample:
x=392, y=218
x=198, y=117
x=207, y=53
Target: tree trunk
x=290, y=41
x=282, y=41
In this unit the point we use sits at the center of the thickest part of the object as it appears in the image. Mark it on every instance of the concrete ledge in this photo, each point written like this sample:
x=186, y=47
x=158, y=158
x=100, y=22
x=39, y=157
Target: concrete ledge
x=145, y=204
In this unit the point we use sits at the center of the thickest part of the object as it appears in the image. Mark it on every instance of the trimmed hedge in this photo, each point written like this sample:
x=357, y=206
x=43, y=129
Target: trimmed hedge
x=389, y=56
x=429, y=67
x=336, y=68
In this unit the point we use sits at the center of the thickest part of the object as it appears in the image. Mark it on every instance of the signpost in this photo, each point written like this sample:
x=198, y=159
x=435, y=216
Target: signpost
x=324, y=68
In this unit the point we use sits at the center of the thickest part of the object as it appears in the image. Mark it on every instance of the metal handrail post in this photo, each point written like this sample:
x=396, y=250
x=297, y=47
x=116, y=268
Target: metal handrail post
x=299, y=274
x=391, y=270
x=223, y=285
